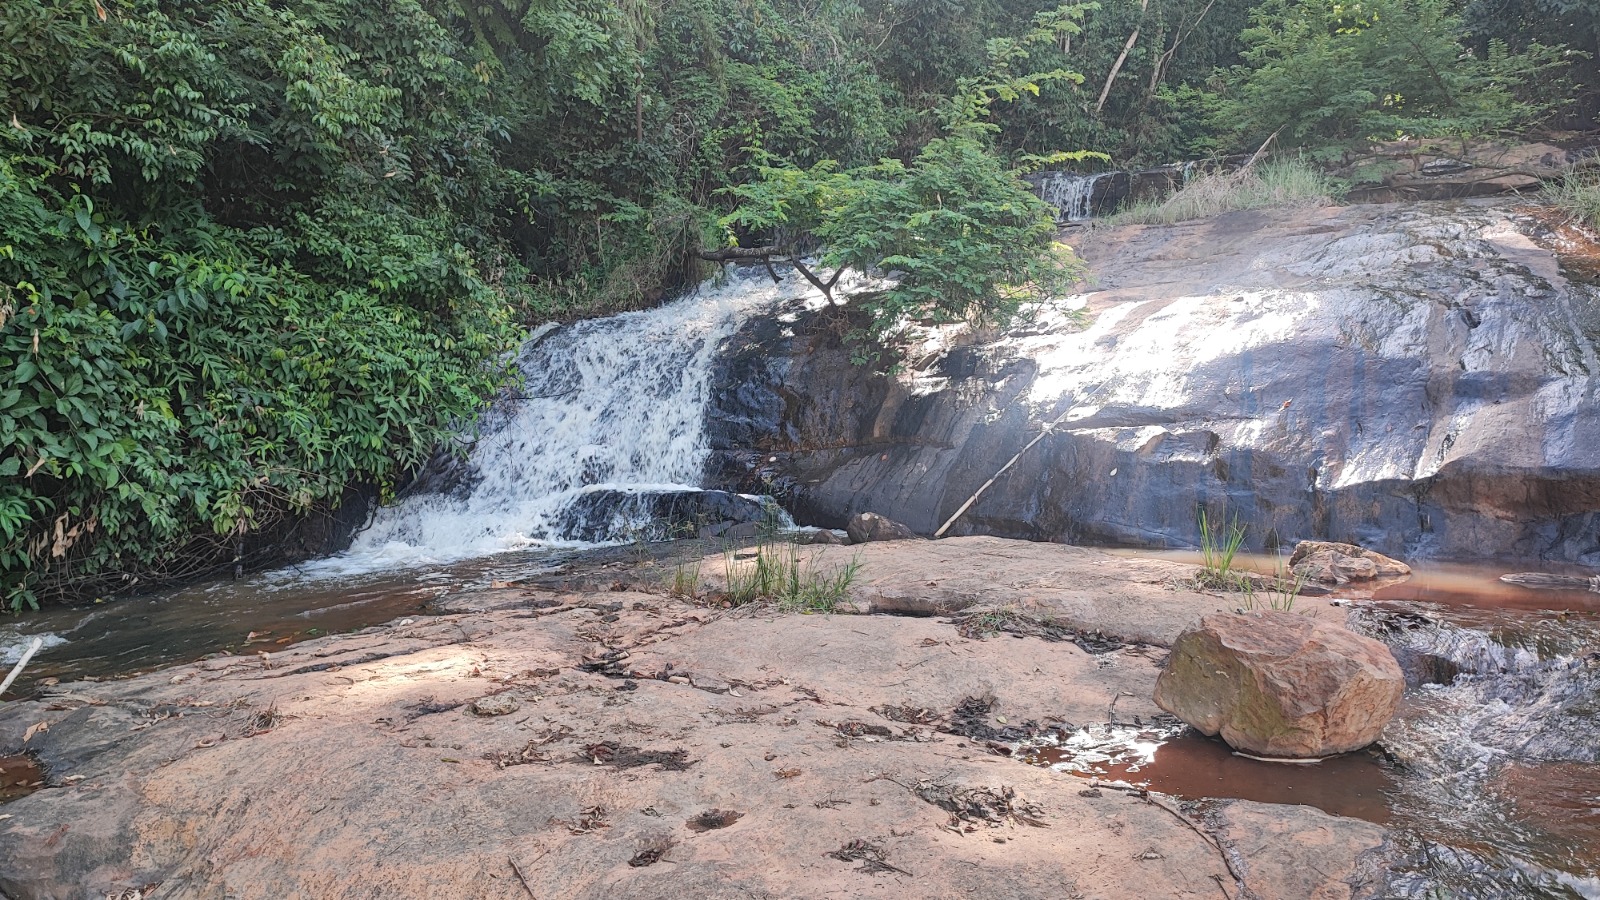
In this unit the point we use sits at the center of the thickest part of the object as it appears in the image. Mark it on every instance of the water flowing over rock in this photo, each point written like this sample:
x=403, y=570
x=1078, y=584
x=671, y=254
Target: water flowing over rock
x=1277, y=684
x=1521, y=690
x=605, y=439
x=1416, y=379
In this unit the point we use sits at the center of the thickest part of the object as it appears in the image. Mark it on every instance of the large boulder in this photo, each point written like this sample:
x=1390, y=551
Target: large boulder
x=867, y=528
x=1330, y=562
x=1281, y=685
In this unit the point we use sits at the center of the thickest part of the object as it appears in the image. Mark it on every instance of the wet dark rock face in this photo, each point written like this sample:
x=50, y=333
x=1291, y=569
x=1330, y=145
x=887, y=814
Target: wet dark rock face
x=1416, y=379
x=613, y=515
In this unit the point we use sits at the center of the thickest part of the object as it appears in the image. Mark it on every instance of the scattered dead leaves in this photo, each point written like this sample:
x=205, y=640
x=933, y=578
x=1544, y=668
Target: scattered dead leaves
x=530, y=753
x=713, y=819
x=612, y=753
x=872, y=857
x=652, y=851
x=908, y=715
x=970, y=808
x=593, y=818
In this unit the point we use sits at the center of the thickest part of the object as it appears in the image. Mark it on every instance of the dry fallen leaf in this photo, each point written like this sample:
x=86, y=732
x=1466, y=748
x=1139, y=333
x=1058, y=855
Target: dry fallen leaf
x=33, y=730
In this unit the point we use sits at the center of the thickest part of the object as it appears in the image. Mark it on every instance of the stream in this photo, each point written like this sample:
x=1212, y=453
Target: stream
x=1489, y=778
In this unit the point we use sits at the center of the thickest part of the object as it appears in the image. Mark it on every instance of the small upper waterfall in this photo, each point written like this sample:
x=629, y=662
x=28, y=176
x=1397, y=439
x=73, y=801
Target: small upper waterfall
x=614, y=405
x=1072, y=195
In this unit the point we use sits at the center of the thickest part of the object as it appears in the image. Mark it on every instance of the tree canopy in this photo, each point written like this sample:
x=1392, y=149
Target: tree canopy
x=254, y=252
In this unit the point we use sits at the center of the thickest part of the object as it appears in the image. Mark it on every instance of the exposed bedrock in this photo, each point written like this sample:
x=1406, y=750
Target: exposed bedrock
x=1416, y=379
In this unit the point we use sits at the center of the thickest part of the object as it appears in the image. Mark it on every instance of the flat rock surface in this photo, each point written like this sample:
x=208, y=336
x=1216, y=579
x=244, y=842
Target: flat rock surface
x=353, y=766
x=1079, y=588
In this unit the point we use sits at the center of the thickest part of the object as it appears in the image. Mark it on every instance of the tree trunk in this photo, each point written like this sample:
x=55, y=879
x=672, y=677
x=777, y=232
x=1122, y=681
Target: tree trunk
x=1121, y=58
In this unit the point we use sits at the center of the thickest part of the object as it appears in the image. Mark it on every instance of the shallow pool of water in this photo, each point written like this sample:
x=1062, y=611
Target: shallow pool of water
x=1181, y=762
x=262, y=612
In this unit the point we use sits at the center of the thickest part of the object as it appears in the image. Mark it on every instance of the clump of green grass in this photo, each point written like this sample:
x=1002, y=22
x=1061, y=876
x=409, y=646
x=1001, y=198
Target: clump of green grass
x=1288, y=181
x=1219, y=545
x=1279, y=593
x=778, y=575
x=685, y=580
x=1578, y=195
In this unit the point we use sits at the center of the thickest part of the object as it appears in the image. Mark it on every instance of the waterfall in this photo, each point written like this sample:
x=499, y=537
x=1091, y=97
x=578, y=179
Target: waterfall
x=1072, y=195
x=607, y=406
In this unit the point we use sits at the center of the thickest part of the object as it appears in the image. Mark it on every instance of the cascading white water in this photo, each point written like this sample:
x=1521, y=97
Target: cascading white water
x=615, y=404
x=1072, y=195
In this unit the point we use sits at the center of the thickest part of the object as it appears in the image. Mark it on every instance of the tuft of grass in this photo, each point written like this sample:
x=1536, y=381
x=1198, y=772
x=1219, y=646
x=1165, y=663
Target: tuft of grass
x=1219, y=545
x=1578, y=195
x=1287, y=181
x=1279, y=593
x=685, y=580
x=778, y=575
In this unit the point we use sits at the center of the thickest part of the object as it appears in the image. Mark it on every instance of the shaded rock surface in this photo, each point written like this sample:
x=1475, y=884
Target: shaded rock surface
x=1279, y=684
x=1417, y=379
x=1421, y=170
x=609, y=515
x=661, y=749
x=1331, y=562
x=1315, y=856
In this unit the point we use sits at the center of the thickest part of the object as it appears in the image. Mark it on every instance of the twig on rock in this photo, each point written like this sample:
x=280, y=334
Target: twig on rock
x=522, y=878
x=1244, y=889
x=17, y=669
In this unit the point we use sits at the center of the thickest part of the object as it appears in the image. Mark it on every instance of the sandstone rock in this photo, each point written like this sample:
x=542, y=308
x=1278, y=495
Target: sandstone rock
x=334, y=812
x=495, y=705
x=1281, y=685
x=865, y=528
x=1334, y=563
x=1300, y=852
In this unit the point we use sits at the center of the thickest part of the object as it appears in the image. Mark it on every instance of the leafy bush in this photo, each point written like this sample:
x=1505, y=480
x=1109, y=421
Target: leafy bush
x=1336, y=75
x=970, y=240
x=232, y=281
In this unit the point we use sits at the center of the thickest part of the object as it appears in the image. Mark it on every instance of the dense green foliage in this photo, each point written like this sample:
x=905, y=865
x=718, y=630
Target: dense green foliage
x=253, y=252
x=241, y=267
x=1341, y=75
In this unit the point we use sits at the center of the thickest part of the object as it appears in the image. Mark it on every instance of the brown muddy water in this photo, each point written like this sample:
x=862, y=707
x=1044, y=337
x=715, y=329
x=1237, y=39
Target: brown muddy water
x=1183, y=763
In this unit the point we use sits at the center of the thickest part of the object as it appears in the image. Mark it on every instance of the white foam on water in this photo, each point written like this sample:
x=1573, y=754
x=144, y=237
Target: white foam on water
x=617, y=404
x=13, y=645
